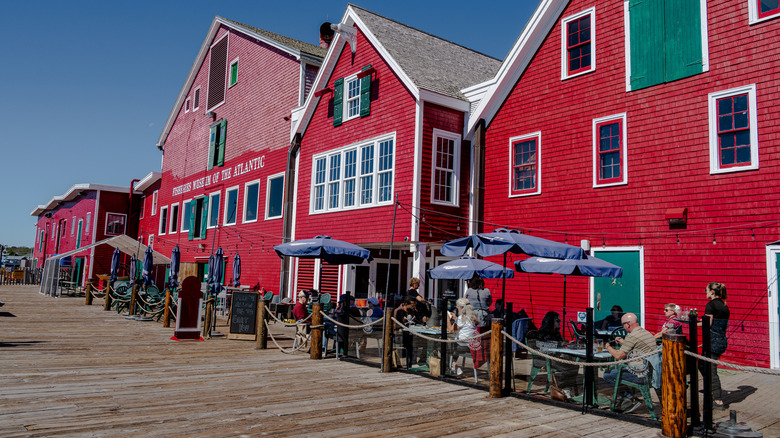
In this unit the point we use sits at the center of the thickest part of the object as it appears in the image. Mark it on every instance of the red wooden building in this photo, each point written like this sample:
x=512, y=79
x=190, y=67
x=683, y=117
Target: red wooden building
x=224, y=151
x=385, y=123
x=647, y=131
x=85, y=214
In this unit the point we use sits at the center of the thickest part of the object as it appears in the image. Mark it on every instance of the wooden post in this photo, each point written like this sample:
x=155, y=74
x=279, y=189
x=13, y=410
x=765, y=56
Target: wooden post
x=496, y=356
x=133, y=298
x=315, y=350
x=167, y=310
x=107, y=303
x=88, y=295
x=262, y=332
x=387, y=342
x=674, y=423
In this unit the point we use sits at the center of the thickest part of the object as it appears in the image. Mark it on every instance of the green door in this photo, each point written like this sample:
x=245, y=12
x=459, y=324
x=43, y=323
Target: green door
x=625, y=291
x=78, y=266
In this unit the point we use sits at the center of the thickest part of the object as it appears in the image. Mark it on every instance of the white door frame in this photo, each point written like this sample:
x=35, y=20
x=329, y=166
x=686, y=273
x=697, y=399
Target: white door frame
x=772, y=290
x=641, y=251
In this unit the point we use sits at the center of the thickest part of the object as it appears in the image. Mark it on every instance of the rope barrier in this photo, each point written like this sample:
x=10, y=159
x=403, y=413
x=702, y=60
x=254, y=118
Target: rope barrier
x=304, y=342
x=771, y=372
x=444, y=341
x=172, y=313
x=288, y=324
x=97, y=295
x=584, y=364
x=140, y=298
x=341, y=324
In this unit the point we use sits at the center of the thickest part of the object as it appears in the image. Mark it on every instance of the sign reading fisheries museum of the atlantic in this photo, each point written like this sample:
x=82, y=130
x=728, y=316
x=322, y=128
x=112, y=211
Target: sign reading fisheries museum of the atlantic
x=237, y=170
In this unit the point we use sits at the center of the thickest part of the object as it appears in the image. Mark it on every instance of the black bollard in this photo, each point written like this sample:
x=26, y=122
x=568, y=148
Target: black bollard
x=508, y=370
x=706, y=374
x=590, y=379
x=443, y=363
x=693, y=370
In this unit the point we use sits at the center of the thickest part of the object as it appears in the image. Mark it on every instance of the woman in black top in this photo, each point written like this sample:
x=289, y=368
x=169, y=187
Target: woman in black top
x=718, y=312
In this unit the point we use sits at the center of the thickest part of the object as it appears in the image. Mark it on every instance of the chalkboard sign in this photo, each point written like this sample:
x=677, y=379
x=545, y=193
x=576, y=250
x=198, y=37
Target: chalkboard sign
x=243, y=316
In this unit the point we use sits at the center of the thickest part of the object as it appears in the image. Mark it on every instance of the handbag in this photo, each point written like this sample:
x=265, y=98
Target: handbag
x=434, y=364
x=556, y=393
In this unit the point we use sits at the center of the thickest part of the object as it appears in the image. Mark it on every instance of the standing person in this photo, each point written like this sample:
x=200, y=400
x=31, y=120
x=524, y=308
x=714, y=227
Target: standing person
x=479, y=298
x=672, y=325
x=422, y=306
x=718, y=313
x=405, y=315
x=639, y=341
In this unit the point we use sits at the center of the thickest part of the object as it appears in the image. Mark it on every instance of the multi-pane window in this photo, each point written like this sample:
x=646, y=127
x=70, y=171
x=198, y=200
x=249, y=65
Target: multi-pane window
x=578, y=43
x=174, y=218
x=217, y=136
x=213, y=210
x=115, y=223
x=525, y=172
x=185, y=216
x=274, y=196
x=163, y=220
x=154, y=203
x=352, y=98
x=187, y=105
x=446, y=153
x=196, y=99
x=231, y=206
x=250, y=201
x=356, y=176
x=733, y=130
x=609, y=151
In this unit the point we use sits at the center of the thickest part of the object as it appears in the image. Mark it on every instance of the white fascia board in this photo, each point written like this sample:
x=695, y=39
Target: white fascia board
x=145, y=182
x=442, y=100
x=73, y=192
x=533, y=35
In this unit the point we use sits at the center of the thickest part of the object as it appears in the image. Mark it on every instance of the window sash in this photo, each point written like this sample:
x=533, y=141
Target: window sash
x=610, y=151
x=250, y=201
x=352, y=98
x=444, y=170
x=524, y=165
x=185, y=220
x=767, y=8
x=163, y=220
x=214, y=210
x=579, y=48
x=275, y=197
x=231, y=206
x=733, y=130
x=174, y=222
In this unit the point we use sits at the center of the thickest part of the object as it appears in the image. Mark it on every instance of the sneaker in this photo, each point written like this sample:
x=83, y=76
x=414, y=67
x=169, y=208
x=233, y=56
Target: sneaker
x=458, y=371
x=718, y=407
x=623, y=404
x=634, y=406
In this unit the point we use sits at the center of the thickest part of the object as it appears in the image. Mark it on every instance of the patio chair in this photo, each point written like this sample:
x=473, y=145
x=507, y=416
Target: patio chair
x=480, y=353
x=652, y=375
x=539, y=363
x=619, y=332
x=578, y=331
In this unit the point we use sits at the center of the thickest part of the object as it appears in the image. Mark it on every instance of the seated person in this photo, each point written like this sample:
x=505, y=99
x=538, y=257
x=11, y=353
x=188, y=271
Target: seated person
x=373, y=314
x=499, y=311
x=422, y=306
x=639, y=341
x=549, y=336
x=672, y=325
x=612, y=320
x=466, y=327
x=479, y=298
x=346, y=313
x=301, y=311
x=405, y=315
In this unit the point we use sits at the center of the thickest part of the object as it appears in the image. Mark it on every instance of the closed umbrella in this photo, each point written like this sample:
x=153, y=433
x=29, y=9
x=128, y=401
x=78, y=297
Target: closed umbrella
x=236, y=270
x=216, y=279
x=133, y=267
x=210, y=275
x=114, y=265
x=467, y=267
x=173, y=275
x=148, y=265
x=586, y=267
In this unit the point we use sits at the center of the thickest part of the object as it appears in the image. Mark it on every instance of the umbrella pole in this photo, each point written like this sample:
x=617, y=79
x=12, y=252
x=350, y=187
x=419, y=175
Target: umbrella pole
x=503, y=284
x=563, y=319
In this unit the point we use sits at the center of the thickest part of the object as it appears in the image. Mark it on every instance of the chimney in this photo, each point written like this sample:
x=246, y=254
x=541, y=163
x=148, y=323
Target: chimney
x=326, y=35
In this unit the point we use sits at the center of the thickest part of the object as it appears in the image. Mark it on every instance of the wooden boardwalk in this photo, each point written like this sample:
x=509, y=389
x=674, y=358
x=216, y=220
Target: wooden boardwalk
x=71, y=370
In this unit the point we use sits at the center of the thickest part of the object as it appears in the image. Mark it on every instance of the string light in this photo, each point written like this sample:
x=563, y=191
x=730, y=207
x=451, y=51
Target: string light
x=603, y=242
x=752, y=234
x=678, y=239
x=714, y=242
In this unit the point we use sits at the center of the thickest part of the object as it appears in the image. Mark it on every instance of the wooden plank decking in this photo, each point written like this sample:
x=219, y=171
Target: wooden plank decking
x=71, y=370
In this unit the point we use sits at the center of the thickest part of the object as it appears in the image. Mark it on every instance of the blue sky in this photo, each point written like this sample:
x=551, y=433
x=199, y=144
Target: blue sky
x=86, y=86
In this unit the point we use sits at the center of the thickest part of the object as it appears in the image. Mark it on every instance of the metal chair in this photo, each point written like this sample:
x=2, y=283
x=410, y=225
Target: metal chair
x=643, y=386
x=619, y=332
x=578, y=332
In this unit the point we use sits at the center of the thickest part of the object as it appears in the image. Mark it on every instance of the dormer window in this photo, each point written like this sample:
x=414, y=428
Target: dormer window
x=352, y=96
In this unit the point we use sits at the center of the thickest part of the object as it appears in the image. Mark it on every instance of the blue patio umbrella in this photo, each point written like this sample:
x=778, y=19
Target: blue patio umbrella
x=587, y=266
x=502, y=240
x=133, y=266
x=216, y=279
x=236, y=270
x=173, y=275
x=330, y=250
x=210, y=275
x=114, y=265
x=467, y=267
x=148, y=266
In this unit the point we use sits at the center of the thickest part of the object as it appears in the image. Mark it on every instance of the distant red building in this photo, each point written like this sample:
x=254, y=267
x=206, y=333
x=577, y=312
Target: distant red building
x=647, y=131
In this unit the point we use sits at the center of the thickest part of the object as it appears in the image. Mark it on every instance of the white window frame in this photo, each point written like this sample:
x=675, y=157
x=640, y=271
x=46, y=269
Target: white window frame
x=87, y=222
x=347, y=100
x=246, y=193
x=124, y=224
x=227, y=73
x=154, y=202
x=225, y=213
x=174, y=223
x=161, y=230
x=211, y=206
x=268, y=195
x=438, y=133
x=623, y=150
x=187, y=103
x=196, y=92
x=753, y=13
x=564, y=43
x=150, y=241
x=230, y=70
x=80, y=238
x=712, y=99
x=185, y=224
x=73, y=226
x=538, y=136
x=375, y=175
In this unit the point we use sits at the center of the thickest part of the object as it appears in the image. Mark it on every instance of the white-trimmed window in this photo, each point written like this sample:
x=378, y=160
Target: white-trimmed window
x=274, y=196
x=196, y=99
x=733, y=130
x=578, y=44
x=761, y=10
x=163, y=220
x=187, y=103
x=445, y=173
x=231, y=206
x=115, y=223
x=154, y=203
x=525, y=157
x=40, y=241
x=609, y=151
x=143, y=207
x=251, y=196
x=357, y=176
x=151, y=241
x=80, y=233
x=214, y=199
x=87, y=223
x=351, y=97
x=186, y=213
x=217, y=70
x=174, y=221
x=73, y=225
x=233, y=71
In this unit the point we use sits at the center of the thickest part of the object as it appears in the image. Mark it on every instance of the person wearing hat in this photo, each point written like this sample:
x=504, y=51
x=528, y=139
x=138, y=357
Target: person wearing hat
x=373, y=314
x=300, y=311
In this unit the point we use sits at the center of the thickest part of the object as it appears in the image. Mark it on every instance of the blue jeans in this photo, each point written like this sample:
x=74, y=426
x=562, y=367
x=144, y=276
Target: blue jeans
x=611, y=377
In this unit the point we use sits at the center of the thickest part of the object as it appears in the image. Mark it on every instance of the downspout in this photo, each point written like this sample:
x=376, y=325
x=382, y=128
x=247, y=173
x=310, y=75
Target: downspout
x=477, y=225
x=289, y=206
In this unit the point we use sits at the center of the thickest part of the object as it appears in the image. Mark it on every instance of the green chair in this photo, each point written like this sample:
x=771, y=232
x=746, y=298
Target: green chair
x=619, y=332
x=578, y=332
x=536, y=367
x=643, y=386
x=269, y=295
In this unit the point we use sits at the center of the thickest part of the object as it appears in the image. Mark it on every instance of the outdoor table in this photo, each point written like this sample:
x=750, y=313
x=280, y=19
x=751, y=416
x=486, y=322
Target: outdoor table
x=580, y=353
x=428, y=346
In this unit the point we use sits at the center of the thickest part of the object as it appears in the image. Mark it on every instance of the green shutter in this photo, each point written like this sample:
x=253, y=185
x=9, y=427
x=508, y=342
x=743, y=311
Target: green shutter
x=683, y=39
x=338, y=101
x=191, y=234
x=234, y=73
x=222, y=131
x=78, y=235
x=212, y=143
x=204, y=218
x=647, y=42
x=224, y=265
x=365, y=93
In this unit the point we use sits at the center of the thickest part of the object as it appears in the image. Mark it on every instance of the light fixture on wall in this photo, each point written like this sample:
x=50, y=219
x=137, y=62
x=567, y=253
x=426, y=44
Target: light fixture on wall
x=677, y=217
